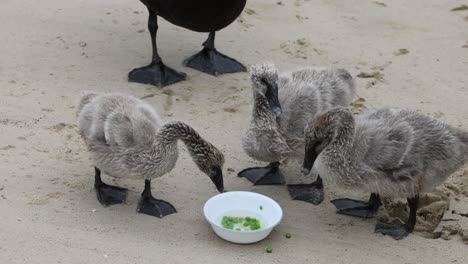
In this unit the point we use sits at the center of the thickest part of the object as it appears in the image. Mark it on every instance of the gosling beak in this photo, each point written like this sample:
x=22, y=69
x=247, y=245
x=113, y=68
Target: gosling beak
x=309, y=160
x=273, y=100
x=217, y=179
x=277, y=110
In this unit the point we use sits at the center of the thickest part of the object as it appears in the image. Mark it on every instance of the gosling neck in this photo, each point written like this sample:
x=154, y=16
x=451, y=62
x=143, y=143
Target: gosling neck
x=342, y=141
x=173, y=131
x=261, y=109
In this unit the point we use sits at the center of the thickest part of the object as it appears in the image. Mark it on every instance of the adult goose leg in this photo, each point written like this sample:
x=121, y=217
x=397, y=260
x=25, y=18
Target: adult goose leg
x=399, y=231
x=108, y=194
x=311, y=193
x=152, y=206
x=358, y=208
x=156, y=72
x=269, y=175
x=211, y=61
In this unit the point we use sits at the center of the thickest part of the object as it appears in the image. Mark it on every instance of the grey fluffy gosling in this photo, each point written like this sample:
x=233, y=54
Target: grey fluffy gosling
x=388, y=152
x=283, y=105
x=126, y=139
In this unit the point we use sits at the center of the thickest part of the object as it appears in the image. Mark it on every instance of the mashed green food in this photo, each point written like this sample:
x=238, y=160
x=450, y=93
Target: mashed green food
x=241, y=223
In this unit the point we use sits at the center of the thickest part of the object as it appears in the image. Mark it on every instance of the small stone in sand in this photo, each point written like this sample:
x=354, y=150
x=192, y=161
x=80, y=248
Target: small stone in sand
x=358, y=105
x=229, y=109
x=380, y=3
x=399, y=52
x=371, y=83
x=7, y=147
x=249, y=11
x=168, y=92
x=59, y=126
x=376, y=75
x=301, y=41
x=147, y=96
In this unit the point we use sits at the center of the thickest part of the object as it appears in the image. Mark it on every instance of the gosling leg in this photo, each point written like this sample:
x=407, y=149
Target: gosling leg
x=152, y=206
x=156, y=73
x=108, y=194
x=399, y=231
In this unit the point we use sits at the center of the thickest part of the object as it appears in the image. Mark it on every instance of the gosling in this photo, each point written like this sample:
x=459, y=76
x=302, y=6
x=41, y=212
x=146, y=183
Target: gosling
x=388, y=152
x=126, y=139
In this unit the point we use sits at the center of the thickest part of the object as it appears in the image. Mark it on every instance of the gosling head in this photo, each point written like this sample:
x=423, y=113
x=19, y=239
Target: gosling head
x=264, y=77
x=210, y=161
x=321, y=131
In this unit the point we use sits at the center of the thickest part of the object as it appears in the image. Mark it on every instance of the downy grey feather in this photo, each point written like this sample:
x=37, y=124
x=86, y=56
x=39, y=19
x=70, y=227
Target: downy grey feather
x=127, y=139
x=302, y=94
x=392, y=152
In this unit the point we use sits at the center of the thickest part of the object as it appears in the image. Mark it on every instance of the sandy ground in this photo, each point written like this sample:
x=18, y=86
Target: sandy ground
x=52, y=49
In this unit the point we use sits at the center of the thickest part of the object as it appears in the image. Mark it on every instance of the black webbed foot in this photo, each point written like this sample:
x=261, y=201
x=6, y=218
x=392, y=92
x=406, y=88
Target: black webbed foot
x=155, y=207
x=397, y=231
x=156, y=74
x=269, y=175
x=400, y=231
x=213, y=62
x=312, y=193
x=358, y=208
x=152, y=206
x=108, y=194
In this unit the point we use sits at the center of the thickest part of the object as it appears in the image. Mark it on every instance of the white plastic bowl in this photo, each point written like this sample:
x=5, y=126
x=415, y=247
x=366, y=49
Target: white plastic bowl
x=218, y=205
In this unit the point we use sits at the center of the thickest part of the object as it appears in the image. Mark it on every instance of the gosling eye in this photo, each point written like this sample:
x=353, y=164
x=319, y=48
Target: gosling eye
x=319, y=146
x=316, y=134
x=263, y=81
x=215, y=171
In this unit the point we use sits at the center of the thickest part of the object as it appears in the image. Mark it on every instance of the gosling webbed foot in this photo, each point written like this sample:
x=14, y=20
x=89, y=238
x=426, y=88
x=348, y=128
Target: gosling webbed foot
x=211, y=61
x=311, y=193
x=269, y=175
x=156, y=74
x=358, y=208
x=397, y=231
x=400, y=231
x=109, y=195
x=155, y=207
x=152, y=206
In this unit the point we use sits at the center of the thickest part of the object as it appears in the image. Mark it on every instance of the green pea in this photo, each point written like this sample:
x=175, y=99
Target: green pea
x=288, y=235
x=269, y=250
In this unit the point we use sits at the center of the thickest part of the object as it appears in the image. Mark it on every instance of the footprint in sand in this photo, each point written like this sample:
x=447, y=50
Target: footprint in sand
x=296, y=49
x=358, y=105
